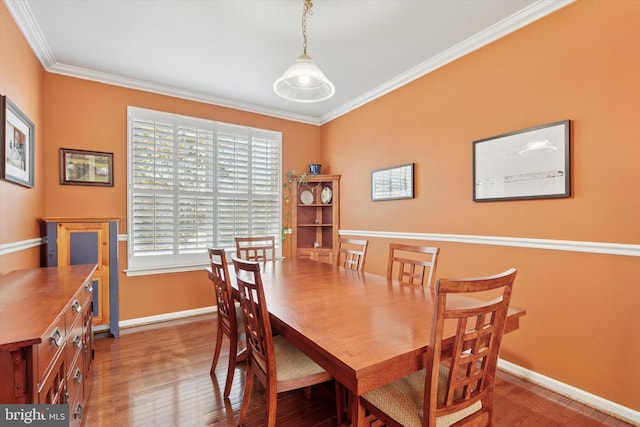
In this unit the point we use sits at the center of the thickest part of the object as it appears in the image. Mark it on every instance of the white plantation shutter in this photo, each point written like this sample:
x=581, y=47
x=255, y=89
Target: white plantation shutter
x=232, y=174
x=152, y=180
x=265, y=186
x=195, y=183
x=195, y=189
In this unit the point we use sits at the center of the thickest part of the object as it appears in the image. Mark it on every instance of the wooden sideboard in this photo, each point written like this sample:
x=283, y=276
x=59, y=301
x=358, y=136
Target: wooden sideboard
x=46, y=337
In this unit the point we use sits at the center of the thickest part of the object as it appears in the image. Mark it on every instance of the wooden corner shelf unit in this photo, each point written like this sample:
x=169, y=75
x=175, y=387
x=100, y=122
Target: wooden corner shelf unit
x=315, y=217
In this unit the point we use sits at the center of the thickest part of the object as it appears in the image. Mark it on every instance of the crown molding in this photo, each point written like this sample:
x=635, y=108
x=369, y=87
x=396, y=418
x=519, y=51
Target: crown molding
x=21, y=13
x=25, y=20
x=112, y=79
x=508, y=25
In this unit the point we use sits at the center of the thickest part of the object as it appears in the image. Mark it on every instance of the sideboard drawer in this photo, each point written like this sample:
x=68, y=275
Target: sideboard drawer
x=75, y=382
x=75, y=307
x=75, y=341
x=52, y=388
x=52, y=344
x=46, y=336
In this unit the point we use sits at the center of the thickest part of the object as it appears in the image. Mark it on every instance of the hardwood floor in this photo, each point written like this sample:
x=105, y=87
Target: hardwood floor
x=158, y=375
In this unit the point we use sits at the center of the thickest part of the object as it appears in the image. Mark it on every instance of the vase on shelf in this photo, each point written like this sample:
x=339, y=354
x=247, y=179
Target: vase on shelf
x=314, y=168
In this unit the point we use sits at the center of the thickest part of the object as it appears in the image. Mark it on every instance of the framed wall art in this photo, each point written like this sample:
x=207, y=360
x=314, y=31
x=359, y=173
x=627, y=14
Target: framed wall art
x=392, y=183
x=80, y=167
x=18, y=135
x=532, y=163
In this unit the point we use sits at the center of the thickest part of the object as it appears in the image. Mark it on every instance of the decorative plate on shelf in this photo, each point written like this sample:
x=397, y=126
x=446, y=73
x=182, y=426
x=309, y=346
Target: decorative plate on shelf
x=326, y=195
x=306, y=197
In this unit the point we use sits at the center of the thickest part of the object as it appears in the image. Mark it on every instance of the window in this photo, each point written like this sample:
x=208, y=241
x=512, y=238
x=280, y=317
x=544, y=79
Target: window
x=195, y=183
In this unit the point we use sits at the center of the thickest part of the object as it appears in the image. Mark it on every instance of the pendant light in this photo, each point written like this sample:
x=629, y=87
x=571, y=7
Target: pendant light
x=304, y=81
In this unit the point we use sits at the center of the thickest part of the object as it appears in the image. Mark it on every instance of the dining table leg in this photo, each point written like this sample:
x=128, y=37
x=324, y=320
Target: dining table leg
x=356, y=410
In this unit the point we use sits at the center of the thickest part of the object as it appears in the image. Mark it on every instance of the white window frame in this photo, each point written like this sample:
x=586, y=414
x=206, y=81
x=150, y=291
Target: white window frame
x=196, y=258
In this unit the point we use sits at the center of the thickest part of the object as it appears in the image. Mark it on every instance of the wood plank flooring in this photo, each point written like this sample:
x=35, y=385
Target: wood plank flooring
x=158, y=375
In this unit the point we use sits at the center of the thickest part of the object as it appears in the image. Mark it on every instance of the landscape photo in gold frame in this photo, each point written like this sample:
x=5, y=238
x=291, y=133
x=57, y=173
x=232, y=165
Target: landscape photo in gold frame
x=81, y=167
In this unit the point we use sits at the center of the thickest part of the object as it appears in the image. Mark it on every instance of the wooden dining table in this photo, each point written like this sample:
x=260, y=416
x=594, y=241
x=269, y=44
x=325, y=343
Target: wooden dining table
x=364, y=329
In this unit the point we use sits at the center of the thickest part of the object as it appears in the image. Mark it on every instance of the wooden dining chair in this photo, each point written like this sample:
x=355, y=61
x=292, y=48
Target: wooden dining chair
x=278, y=365
x=412, y=264
x=352, y=253
x=458, y=382
x=230, y=322
x=261, y=248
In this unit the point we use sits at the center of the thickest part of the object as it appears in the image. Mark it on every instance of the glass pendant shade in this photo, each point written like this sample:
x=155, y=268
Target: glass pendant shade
x=304, y=82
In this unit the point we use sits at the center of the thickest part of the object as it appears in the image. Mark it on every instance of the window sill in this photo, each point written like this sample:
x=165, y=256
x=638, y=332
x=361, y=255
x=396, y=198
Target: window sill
x=132, y=272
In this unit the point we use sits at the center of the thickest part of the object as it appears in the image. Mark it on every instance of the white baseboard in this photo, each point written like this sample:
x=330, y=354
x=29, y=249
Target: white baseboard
x=603, y=405
x=140, y=321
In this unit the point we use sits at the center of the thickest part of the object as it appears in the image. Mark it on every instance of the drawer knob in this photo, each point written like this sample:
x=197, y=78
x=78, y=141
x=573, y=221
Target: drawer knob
x=77, y=341
x=76, y=306
x=77, y=377
x=88, y=286
x=78, y=412
x=56, y=337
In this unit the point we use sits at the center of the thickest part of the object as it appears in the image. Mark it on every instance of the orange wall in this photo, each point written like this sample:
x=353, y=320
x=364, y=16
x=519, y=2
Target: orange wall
x=581, y=63
x=21, y=80
x=86, y=115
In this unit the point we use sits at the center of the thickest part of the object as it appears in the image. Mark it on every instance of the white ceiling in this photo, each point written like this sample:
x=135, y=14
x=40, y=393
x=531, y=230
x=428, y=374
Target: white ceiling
x=229, y=52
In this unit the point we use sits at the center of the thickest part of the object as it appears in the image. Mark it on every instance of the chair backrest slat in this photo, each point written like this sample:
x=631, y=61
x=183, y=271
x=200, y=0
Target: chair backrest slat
x=414, y=265
x=224, y=296
x=463, y=373
x=352, y=253
x=256, y=318
x=257, y=248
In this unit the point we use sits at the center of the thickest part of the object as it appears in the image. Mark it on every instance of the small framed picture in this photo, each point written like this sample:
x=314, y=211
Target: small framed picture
x=17, y=144
x=392, y=183
x=80, y=167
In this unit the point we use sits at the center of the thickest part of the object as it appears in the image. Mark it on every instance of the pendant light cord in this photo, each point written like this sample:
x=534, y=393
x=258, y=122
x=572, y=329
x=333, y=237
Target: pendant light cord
x=308, y=4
